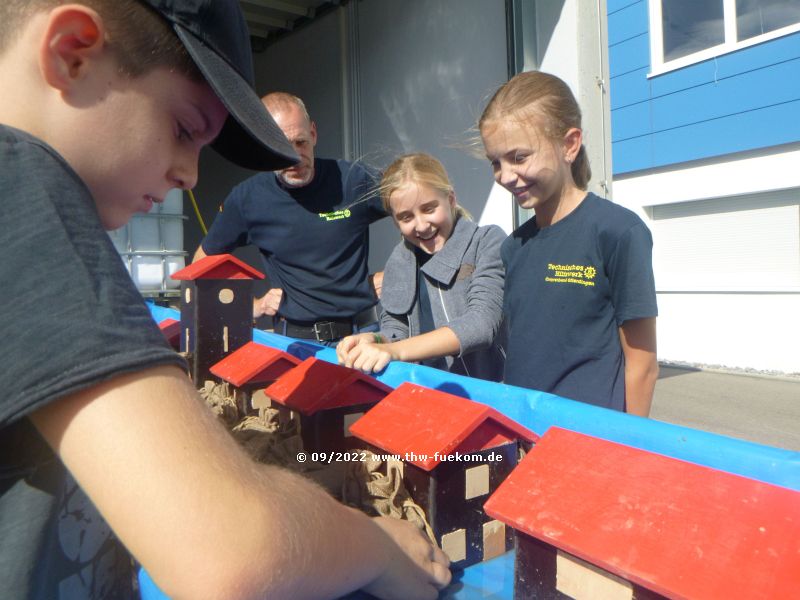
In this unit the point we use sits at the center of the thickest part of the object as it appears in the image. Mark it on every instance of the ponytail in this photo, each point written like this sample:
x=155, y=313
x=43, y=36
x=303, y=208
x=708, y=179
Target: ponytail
x=581, y=171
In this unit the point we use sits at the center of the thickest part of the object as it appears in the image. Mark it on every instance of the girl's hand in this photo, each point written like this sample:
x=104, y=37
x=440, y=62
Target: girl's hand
x=347, y=344
x=363, y=352
x=370, y=357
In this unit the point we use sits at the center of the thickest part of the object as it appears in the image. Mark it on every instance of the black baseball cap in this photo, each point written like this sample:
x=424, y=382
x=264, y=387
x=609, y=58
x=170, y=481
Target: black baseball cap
x=215, y=34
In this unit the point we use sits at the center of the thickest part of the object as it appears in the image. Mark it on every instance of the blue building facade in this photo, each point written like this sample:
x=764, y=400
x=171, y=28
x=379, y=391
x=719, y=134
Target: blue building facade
x=705, y=130
x=739, y=99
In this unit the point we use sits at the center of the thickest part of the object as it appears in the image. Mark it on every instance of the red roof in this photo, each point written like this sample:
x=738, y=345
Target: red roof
x=254, y=364
x=172, y=331
x=680, y=529
x=426, y=425
x=218, y=266
x=316, y=385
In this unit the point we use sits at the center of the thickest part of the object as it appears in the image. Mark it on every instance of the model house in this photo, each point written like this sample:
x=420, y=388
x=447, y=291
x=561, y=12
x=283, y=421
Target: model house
x=327, y=399
x=597, y=519
x=455, y=452
x=250, y=369
x=216, y=310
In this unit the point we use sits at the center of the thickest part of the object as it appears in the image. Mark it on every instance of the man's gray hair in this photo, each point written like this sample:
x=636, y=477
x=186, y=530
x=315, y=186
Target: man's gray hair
x=278, y=101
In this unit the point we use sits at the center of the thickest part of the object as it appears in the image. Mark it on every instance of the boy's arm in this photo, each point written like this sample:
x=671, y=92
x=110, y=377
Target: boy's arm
x=638, y=339
x=205, y=520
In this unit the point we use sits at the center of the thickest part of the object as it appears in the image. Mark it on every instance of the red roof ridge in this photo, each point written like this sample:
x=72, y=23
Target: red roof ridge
x=316, y=384
x=254, y=363
x=424, y=425
x=217, y=266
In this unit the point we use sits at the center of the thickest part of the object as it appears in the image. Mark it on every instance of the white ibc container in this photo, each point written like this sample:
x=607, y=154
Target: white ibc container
x=151, y=246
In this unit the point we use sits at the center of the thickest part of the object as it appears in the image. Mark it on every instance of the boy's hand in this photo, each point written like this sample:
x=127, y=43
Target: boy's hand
x=418, y=569
x=268, y=304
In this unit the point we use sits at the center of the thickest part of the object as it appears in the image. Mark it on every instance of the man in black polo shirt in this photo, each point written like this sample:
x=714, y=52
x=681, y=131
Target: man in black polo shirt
x=311, y=224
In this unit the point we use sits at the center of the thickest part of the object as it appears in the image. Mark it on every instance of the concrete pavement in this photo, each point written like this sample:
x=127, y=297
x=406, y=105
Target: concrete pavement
x=757, y=408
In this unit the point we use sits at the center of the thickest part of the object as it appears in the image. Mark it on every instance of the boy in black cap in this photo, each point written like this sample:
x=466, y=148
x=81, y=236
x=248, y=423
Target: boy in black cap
x=105, y=106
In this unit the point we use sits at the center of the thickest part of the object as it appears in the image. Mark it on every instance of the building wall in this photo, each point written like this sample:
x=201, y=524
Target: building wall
x=380, y=78
x=421, y=82
x=733, y=102
x=707, y=154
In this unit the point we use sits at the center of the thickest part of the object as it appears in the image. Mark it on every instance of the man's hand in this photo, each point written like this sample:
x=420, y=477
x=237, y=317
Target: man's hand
x=418, y=571
x=376, y=282
x=268, y=304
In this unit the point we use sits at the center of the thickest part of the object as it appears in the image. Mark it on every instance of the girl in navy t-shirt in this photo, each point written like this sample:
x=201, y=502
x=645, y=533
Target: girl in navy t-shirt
x=580, y=297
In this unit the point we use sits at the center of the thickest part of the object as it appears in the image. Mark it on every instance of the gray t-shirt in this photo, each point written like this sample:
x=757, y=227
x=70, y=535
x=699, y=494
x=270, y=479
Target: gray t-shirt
x=70, y=318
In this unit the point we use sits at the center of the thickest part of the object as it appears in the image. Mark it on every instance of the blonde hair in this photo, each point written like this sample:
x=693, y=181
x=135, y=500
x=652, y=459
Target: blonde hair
x=422, y=169
x=535, y=94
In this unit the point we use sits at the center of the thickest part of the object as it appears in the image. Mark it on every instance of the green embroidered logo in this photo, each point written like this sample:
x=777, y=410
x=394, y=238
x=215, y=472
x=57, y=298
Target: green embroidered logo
x=335, y=215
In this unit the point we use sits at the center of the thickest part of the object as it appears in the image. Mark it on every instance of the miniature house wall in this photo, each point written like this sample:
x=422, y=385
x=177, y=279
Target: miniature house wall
x=216, y=310
x=455, y=453
x=596, y=519
x=327, y=399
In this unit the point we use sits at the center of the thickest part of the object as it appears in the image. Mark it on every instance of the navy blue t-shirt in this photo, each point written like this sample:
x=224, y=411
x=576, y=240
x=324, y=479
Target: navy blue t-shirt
x=569, y=287
x=314, y=239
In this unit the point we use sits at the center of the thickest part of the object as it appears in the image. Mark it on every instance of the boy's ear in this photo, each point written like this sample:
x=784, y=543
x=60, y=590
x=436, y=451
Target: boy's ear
x=73, y=36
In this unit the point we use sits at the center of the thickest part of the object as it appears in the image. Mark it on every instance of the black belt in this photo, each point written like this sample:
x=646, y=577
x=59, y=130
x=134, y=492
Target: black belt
x=328, y=329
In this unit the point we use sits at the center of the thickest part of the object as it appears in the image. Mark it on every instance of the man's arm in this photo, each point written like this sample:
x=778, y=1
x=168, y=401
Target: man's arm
x=638, y=339
x=205, y=520
x=199, y=254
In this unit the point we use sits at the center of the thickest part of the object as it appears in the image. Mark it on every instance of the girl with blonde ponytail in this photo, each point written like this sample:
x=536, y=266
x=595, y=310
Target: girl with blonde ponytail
x=580, y=301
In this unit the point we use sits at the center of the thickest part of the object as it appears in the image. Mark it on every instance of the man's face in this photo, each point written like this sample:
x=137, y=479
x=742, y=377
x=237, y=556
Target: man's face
x=145, y=136
x=302, y=133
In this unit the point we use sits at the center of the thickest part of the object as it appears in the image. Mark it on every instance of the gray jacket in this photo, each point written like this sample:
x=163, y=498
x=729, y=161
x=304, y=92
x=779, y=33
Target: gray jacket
x=465, y=286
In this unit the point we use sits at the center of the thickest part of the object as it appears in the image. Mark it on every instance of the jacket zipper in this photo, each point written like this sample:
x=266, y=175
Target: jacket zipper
x=447, y=317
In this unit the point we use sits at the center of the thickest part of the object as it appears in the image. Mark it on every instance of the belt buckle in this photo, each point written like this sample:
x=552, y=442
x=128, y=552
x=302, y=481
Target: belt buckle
x=319, y=331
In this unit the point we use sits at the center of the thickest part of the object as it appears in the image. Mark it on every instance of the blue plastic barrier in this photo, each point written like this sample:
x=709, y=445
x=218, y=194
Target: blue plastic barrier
x=538, y=411
x=492, y=580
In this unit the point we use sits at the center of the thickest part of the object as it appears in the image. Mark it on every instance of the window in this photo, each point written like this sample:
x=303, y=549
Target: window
x=688, y=31
x=690, y=26
x=757, y=17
